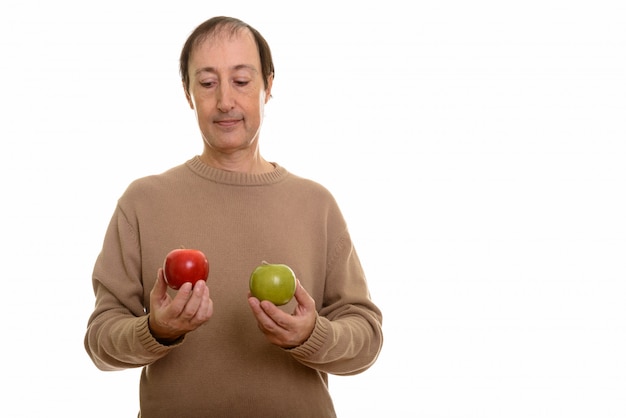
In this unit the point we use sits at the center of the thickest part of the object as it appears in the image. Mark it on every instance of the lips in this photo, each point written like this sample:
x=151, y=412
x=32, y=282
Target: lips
x=226, y=123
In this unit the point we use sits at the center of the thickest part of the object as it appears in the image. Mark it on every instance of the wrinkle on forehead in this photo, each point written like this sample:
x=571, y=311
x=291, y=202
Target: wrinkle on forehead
x=226, y=31
x=214, y=41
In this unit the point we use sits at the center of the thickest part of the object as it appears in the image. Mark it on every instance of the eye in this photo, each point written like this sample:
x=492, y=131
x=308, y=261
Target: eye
x=241, y=83
x=207, y=84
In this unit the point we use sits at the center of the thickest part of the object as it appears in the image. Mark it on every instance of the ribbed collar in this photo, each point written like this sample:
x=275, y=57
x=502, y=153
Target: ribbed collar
x=236, y=178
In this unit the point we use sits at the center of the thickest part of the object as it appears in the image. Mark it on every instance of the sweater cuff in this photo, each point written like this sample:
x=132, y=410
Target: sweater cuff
x=316, y=340
x=148, y=341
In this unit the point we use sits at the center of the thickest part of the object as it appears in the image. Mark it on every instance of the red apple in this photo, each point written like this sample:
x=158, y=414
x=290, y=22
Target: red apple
x=184, y=265
x=273, y=282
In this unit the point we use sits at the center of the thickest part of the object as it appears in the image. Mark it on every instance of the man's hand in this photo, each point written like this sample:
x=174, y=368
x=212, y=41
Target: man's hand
x=282, y=329
x=170, y=318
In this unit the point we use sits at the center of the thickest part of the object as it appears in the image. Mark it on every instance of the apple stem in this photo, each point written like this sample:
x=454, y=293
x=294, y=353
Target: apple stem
x=264, y=262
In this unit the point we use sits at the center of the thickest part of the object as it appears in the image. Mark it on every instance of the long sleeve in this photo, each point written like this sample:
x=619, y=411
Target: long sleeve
x=118, y=336
x=348, y=336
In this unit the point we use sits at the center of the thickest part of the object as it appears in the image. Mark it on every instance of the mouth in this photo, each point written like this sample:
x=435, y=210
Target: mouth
x=227, y=123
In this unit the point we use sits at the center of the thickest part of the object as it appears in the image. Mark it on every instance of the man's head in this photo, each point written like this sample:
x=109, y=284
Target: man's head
x=217, y=25
x=227, y=74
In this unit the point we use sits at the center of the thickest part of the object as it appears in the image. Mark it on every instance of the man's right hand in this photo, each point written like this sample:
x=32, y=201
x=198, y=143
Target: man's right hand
x=169, y=318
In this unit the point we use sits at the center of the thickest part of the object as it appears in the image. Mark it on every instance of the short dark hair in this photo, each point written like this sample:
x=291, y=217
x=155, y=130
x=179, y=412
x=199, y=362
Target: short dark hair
x=212, y=26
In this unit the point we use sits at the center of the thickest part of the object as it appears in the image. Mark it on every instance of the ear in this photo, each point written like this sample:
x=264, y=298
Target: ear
x=268, y=90
x=187, y=96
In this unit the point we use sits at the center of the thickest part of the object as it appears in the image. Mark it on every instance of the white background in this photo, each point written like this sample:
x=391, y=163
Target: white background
x=477, y=149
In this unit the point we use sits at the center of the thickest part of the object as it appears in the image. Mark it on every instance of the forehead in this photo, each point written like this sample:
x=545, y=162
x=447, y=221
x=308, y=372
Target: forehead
x=226, y=49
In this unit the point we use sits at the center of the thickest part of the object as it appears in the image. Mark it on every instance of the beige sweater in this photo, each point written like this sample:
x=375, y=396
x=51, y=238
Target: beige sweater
x=226, y=368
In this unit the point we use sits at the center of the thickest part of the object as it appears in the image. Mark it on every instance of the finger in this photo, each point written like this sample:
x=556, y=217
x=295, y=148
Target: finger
x=276, y=318
x=205, y=312
x=198, y=295
x=180, y=300
x=264, y=321
x=255, y=305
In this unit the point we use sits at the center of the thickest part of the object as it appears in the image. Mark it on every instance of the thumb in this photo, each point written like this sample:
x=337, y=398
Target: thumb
x=302, y=296
x=160, y=285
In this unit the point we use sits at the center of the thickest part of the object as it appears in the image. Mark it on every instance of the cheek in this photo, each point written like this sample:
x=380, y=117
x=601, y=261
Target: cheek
x=202, y=106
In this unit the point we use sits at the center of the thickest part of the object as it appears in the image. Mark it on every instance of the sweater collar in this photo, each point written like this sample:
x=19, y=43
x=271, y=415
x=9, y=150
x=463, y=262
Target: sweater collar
x=236, y=178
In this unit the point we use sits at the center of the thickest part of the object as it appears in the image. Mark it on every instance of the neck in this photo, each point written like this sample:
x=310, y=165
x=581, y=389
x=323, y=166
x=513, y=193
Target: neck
x=232, y=162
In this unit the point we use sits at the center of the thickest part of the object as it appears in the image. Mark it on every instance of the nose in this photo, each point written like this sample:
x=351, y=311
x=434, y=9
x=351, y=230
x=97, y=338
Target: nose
x=225, y=98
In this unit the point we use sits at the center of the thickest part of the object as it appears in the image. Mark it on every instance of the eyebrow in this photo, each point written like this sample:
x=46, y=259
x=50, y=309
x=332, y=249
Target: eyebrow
x=235, y=68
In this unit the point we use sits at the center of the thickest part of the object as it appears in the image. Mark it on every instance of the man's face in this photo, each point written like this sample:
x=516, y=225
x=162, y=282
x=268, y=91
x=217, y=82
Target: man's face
x=227, y=92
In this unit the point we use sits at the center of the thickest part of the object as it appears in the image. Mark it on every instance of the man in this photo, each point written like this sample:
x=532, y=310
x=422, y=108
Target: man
x=213, y=349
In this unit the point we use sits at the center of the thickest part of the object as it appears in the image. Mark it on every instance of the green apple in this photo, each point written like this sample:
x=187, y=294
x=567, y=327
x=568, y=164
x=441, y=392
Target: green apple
x=273, y=282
